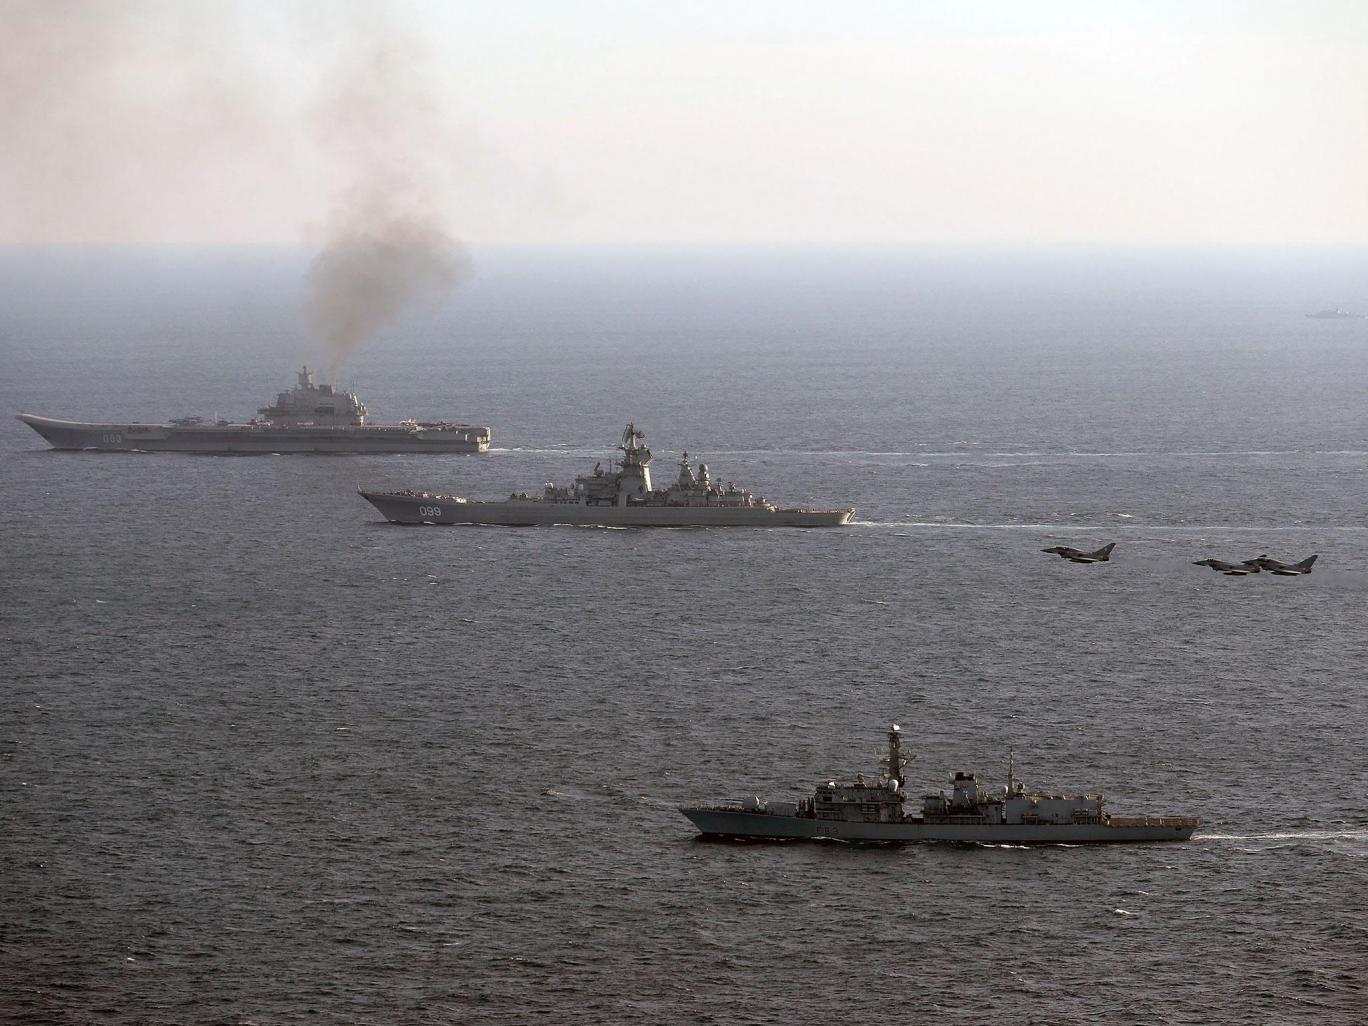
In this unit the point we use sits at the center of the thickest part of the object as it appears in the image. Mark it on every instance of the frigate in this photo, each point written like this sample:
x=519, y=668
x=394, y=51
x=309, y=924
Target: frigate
x=621, y=496
x=1337, y=314
x=873, y=811
x=308, y=418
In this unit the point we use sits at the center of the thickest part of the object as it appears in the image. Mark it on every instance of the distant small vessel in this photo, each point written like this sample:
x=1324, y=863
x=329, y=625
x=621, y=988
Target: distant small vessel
x=873, y=811
x=308, y=418
x=1337, y=314
x=622, y=496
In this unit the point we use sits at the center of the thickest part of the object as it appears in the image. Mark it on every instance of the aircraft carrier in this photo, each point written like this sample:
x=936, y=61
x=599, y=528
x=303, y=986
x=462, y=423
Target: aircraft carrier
x=621, y=496
x=309, y=418
x=872, y=811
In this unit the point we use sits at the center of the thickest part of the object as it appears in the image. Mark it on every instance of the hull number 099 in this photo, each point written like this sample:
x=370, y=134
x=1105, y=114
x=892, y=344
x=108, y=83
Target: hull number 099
x=429, y=511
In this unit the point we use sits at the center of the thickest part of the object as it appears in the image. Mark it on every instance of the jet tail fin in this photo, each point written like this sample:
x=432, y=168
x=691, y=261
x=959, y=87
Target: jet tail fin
x=1305, y=565
x=1104, y=553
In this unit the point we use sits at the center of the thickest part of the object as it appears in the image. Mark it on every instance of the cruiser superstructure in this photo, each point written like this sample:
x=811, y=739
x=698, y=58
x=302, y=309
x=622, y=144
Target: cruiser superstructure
x=309, y=418
x=873, y=810
x=621, y=496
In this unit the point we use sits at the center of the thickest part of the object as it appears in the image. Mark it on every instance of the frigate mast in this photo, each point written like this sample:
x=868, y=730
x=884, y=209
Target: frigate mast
x=894, y=761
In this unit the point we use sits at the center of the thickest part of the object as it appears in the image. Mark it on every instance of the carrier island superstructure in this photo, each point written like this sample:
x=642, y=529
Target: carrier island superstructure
x=621, y=496
x=873, y=810
x=309, y=418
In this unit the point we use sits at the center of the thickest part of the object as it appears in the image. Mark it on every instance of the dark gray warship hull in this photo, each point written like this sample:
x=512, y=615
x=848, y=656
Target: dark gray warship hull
x=259, y=439
x=874, y=811
x=421, y=508
x=739, y=824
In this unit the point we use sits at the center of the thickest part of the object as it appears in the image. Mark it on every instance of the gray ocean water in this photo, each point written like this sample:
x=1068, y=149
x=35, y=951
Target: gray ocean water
x=266, y=759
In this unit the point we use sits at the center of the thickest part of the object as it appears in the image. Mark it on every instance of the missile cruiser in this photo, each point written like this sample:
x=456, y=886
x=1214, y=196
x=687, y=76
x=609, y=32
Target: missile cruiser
x=873, y=811
x=621, y=496
x=309, y=418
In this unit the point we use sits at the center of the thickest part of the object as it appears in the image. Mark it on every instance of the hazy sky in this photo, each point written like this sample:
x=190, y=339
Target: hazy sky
x=610, y=122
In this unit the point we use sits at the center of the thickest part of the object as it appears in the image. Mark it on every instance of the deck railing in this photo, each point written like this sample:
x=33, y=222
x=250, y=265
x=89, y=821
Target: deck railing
x=1153, y=821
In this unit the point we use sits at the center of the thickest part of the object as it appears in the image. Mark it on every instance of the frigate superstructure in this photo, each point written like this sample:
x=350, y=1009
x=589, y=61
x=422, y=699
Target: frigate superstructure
x=873, y=810
x=309, y=418
x=620, y=496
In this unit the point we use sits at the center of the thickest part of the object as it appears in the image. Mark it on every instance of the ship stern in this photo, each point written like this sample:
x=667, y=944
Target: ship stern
x=727, y=823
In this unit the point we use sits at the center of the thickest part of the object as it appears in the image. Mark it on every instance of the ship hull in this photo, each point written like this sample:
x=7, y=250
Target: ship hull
x=253, y=439
x=424, y=509
x=761, y=826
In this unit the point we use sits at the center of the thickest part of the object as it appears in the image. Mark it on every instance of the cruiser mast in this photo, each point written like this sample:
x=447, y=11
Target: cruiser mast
x=634, y=477
x=631, y=436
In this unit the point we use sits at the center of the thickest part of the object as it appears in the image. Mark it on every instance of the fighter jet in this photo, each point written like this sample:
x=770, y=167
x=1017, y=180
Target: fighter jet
x=1273, y=566
x=1102, y=555
x=1229, y=569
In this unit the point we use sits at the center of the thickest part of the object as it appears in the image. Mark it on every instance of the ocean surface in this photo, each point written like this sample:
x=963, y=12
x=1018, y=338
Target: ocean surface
x=267, y=759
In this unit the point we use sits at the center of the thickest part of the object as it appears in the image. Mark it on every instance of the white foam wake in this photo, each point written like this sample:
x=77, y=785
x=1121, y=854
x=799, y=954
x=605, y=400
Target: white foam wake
x=1291, y=835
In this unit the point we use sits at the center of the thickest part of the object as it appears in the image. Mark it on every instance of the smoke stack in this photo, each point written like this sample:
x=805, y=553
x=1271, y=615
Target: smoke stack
x=375, y=264
x=386, y=246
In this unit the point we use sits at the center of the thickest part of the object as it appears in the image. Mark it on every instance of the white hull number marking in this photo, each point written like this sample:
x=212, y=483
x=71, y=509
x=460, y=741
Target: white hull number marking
x=429, y=511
